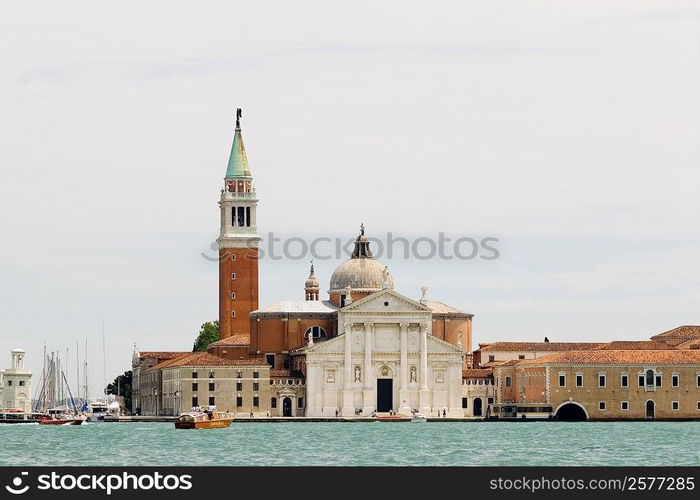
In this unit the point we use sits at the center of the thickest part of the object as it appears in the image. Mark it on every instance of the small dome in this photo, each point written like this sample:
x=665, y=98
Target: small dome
x=364, y=274
x=312, y=282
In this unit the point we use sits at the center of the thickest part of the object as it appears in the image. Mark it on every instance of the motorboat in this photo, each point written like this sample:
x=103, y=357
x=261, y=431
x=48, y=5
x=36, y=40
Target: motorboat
x=419, y=417
x=15, y=416
x=204, y=420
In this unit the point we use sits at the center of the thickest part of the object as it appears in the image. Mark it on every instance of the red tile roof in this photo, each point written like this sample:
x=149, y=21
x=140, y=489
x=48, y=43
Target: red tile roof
x=168, y=362
x=162, y=354
x=477, y=373
x=689, y=344
x=234, y=340
x=634, y=357
x=206, y=359
x=682, y=332
x=538, y=346
x=633, y=345
x=280, y=373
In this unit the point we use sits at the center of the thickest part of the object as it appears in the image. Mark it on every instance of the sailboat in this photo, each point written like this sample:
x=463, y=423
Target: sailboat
x=54, y=385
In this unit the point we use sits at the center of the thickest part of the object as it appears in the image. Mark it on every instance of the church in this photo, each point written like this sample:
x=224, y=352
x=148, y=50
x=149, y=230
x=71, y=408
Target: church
x=363, y=348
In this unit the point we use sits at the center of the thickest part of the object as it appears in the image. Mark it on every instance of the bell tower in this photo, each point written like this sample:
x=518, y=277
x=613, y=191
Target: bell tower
x=238, y=242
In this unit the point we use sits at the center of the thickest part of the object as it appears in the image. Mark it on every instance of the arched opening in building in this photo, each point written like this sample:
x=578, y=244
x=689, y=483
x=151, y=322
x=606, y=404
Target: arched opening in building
x=571, y=412
x=650, y=409
x=317, y=332
x=478, y=404
x=287, y=407
x=650, y=377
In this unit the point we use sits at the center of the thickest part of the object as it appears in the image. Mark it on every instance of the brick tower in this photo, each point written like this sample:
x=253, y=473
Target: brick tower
x=238, y=242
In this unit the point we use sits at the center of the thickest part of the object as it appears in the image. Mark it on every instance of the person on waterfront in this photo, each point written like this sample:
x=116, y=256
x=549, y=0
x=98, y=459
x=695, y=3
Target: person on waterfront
x=251, y=414
x=268, y=413
x=444, y=413
x=336, y=413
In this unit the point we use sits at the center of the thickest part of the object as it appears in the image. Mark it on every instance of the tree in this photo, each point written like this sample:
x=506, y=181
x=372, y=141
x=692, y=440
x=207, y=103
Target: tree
x=122, y=387
x=208, y=333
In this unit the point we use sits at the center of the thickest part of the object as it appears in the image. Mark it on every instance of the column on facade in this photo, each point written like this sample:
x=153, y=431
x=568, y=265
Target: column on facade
x=424, y=356
x=404, y=356
x=311, y=405
x=347, y=367
x=368, y=355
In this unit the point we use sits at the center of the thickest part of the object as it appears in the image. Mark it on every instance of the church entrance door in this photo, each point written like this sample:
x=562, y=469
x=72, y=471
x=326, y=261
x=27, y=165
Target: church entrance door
x=385, y=395
x=287, y=407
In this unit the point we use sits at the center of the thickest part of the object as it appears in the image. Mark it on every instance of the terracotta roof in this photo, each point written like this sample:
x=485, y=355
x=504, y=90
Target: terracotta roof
x=689, y=344
x=168, y=362
x=633, y=345
x=280, y=373
x=233, y=340
x=594, y=357
x=539, y=346
x=538, y=361
x=477, y=373
x=442, y=308
x=510, y=362
x=681, y=332
x=161, y=354
x=206, y=359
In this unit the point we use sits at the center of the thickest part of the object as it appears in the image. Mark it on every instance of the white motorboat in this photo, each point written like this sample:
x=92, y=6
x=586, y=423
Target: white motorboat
x=419, y=417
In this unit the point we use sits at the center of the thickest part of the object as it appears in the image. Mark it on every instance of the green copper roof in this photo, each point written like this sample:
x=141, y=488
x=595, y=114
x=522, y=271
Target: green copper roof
x=238, y=161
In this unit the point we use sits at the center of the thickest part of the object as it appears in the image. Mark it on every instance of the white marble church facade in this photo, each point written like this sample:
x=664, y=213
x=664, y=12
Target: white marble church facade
x=384, y=359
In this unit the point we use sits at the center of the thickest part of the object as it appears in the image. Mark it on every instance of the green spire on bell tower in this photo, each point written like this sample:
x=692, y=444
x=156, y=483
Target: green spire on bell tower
x=238, y=161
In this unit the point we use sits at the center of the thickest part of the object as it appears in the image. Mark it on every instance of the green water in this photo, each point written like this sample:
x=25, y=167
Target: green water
x=370, y=443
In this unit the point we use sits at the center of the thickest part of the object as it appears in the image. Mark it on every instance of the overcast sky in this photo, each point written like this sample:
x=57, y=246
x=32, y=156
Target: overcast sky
x=568, y=130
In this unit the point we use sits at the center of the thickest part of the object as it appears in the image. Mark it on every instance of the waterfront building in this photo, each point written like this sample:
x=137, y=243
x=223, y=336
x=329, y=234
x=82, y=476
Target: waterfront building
x=16, y=384
x=600, y=384
x=146, y=384
x=489, y=354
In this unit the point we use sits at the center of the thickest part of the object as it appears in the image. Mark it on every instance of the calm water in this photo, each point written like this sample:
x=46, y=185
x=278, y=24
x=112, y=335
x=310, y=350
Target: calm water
x=370, y=443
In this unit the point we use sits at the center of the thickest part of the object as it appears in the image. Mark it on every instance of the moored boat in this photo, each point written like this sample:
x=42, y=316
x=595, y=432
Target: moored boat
x=419, y=417
x=14, y=416
x=204, y=420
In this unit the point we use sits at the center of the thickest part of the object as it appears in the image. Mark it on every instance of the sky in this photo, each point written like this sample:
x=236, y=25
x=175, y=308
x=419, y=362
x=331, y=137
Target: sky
x=568, y=131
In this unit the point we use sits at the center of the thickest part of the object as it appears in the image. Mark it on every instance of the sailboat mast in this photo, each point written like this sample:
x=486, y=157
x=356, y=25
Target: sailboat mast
x=87, y=393
x=77, y=368
x=104, y=361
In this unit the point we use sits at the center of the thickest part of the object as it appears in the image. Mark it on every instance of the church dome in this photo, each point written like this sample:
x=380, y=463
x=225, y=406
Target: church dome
x=362, y=272
x=363, y=275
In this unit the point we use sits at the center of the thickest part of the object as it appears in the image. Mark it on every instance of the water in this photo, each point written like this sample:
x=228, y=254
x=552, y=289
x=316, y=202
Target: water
x=362, y=443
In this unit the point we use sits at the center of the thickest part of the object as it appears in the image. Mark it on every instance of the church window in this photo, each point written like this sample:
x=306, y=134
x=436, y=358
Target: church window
x=247, y=216
x=521, y=356
x=9, y=383
x=21, y=383
x=342, y=300
x=270, y=359
x=492, y=358
x=233, y=314
x=650, y=377
x=386, y=304
x=317, y=332
x=233, y=256
x=233, y=295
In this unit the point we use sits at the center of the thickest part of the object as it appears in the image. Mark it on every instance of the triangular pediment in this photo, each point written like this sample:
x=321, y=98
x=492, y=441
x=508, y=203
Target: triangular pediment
x=335, y=344
x=377, y=303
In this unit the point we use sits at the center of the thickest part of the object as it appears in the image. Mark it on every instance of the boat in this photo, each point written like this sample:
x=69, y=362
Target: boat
x=59, y=416
x=419, y=417
x=391, y=418
x=204, y=420
x=14, y=416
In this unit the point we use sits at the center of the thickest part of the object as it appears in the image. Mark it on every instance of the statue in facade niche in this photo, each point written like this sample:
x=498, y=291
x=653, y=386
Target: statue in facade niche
x=413, y=374
x=358, y=374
